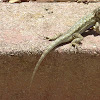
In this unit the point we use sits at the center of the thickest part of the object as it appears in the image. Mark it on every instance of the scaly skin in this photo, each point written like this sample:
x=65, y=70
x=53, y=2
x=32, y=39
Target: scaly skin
x=73, y=34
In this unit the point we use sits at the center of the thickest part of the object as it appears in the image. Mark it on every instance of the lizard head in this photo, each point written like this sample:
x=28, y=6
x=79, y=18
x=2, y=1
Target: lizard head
x=97, y=12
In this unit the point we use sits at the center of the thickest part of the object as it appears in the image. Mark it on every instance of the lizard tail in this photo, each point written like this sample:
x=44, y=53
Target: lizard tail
x=53, y=45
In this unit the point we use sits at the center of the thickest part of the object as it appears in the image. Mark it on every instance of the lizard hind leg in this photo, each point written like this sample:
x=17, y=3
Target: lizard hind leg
x=77, y=38
x=53, y=38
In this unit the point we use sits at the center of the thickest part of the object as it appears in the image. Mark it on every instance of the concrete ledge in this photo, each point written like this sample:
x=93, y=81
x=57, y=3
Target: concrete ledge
x=63, y=74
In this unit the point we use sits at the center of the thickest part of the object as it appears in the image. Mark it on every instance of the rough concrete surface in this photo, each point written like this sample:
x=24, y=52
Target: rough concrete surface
x=63, y=75
x=78, y=1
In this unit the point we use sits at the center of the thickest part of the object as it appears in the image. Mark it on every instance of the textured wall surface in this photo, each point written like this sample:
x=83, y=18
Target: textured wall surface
x=63, y=75
x=60, y=76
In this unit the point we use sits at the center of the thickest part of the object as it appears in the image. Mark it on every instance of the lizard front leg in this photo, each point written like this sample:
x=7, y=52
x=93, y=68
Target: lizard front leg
x=97, y=27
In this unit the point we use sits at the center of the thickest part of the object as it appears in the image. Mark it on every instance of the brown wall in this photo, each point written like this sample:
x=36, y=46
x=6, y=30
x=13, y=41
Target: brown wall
x=60, y=77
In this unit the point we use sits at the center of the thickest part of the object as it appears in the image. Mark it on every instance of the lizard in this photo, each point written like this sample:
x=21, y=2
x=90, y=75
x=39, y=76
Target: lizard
x=73, y=35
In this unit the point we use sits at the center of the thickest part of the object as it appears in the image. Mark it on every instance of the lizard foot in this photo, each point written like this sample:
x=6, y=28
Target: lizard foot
x=75, y=47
